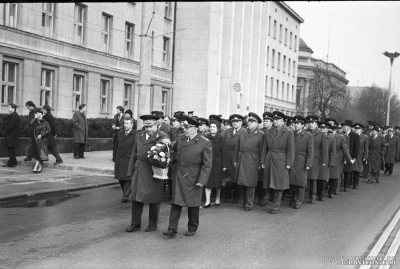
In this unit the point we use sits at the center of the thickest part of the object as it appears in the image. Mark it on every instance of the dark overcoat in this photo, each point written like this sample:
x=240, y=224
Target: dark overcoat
x=11, y=130
x=320, y=153
x=303, y=157
x=51, y=138
x=261, y=171
x=145, y=188
x=324, y=171
x=342, y=154
x=231, y=140
x=278, y=152
x=358, y=166
x=353, y=143
x=248, y=157
x=194, y=163
x=118, y=123
x=392, y=149
x=124, y=146
x=80, y=127
x=376, y=151
x=218, y=160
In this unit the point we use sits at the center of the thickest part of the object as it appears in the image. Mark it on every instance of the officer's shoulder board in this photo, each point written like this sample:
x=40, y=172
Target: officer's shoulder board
x=205, y=138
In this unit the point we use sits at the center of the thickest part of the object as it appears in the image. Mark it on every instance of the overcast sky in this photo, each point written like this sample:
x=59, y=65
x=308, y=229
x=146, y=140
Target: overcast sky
x=359, y=33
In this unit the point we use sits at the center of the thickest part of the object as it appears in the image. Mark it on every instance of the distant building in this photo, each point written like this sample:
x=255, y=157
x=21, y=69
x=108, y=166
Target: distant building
x=308, y=67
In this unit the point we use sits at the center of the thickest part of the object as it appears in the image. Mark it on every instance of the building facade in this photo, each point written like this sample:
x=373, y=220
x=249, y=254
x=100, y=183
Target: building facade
x=235, y=57
x=66, y=54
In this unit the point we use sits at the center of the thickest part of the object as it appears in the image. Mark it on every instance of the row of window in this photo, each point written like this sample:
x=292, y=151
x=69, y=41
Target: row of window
x=281, y=34
x=286, y=112
x=80, y=24
x=278, y=90
x=285, y=67
x=10, y=78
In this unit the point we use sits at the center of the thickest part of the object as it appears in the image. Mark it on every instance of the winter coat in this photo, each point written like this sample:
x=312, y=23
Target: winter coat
x=392, y=149
x=303, y=157
x=194, y=163
x=145, y=188
x=325, y=170
x=342, y=154
x=320, y=153
x=278, y=152
x=42, y=128
x=353, y=143
x=11, y=130
x=123, y=153
x=81, y=128
x=50, y=119
x=248, y=157
x=118, y=123
x=231, y=140
x=362, y=154
x=218, y=160
x=376, y=152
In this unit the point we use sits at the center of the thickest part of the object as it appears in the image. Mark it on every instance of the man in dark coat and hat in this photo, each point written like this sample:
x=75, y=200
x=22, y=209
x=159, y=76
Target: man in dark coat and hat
x=11, y=134
x=81, y=131
x=392, y=151
x=52, y=146
x=376, y=153
x=353, y=143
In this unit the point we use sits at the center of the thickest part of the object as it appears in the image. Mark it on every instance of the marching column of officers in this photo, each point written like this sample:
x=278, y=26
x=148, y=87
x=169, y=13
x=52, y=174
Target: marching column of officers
x=284, y=156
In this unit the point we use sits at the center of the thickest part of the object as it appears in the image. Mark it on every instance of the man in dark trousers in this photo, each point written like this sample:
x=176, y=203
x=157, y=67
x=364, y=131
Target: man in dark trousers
x=31, y=107
x=194, y=163
x=353, y=143
x=80, y=132
x=52, y=136
x=392, y=152
x=11, y=134
x=118, y=123
x=145, y=188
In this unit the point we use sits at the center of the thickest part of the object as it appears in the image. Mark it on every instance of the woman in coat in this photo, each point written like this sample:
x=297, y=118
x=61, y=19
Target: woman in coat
x=218, y=163
x=41, y=131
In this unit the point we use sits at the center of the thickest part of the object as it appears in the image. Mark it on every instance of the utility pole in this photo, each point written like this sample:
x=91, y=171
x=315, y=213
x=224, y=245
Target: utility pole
x=391, y=56
x=145, y=63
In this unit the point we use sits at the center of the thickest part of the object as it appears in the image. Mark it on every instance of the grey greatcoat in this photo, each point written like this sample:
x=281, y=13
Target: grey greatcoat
x=376, y=151
x=123, y=152
x=145, y=188
x=362, y=153
x=248, y=157
x=320, y=153
x=194, y=162
x=303, y=157
x=325, y=170
x=393, y=149
x=231, y=140
x=80, y=128
x=342, y=154
x=278, y=152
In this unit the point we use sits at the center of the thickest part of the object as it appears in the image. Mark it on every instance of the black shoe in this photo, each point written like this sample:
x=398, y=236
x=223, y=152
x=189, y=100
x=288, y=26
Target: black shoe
x=263, y=204
x=58, y=162
x=354, y=187
x=377, y=181
x=320, y=199
x=6, y=165
x=150, y=229
x=296, y=206
x=170, y=233
x=312, y=202
x=345, y=190
x=124, y=200
x=27, y=159
x=330, y=196
x=215, y=204
x=247, y=209
x=273, y=211
x=206, y=206
x=82, y=157
x=189, y=233
x=76, y=157
x=235, y=200
x=132, y=228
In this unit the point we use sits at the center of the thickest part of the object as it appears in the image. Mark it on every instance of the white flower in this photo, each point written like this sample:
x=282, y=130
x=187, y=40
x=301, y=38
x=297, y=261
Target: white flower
x=153, y=148
x=162, y=154
x=163, y=159
x=155, y=157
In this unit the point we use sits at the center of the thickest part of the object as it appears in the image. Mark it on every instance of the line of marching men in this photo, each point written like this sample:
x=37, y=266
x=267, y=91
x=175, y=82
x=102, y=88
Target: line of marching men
x=240, y=157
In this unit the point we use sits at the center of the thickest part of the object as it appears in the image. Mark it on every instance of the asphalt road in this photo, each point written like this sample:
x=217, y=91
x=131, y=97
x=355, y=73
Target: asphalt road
x=89, y=232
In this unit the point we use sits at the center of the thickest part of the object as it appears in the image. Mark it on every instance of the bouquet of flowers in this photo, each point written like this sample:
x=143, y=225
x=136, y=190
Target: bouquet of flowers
x=159, y=157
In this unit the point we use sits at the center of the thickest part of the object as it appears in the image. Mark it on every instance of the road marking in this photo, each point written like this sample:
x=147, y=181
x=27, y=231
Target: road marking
x=9, y=170
x=392, y=251
x=382, y=240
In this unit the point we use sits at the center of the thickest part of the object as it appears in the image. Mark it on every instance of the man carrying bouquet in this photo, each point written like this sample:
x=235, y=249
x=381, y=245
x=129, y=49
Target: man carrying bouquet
x=145, y=188
x=193, y=167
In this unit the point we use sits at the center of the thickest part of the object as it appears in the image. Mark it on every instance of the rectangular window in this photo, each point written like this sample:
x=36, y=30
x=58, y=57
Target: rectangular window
x=272, y=87
x=290, y=40
x=295, y=100
x=128, y=95
x=266, y=85
x=129, y=38
x=164, y=101
x=283, y=90
x=284, y=64
x=280, y=33
x=10, y=14
x=47, y=19
x=295, y=43
x=168, y=10
x=166, y=52
x=287, y=93
x=267, y=55
x=277, y=88
x=285, y=36
x=79, y=24
x=152, y=46
x=77, y=91
x=289, y=66
x=275, y=29
x=294, y=67
x=273, y=58
x=46, y=87
x=105, y=32
x=104, y=95
x=9, y=84
x=269, y=25
x=279, y=61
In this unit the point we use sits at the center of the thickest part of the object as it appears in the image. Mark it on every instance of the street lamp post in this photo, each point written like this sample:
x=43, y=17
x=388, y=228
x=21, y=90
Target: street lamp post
x=392, y=56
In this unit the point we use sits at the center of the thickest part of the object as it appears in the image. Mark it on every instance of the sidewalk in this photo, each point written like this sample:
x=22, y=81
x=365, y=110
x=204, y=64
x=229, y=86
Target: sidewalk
x=96, y=170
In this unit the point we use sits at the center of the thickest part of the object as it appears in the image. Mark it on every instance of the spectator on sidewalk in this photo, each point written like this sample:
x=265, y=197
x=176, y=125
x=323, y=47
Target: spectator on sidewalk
x=41, y=131
x=52, y=146
x=118, y=123
x=30, y=106
x=123, y=150
x=11, y=134
x=129, y=114
x=80, y=132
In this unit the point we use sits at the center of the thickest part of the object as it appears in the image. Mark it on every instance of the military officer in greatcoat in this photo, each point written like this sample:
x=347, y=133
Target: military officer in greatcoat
x=392, y=152
x=362, y=157
x=194, y=163
x=145, y=188
x=277, y=158
x=320, y=156
x=303, y=161
x=376, y=153
x=247, y=159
